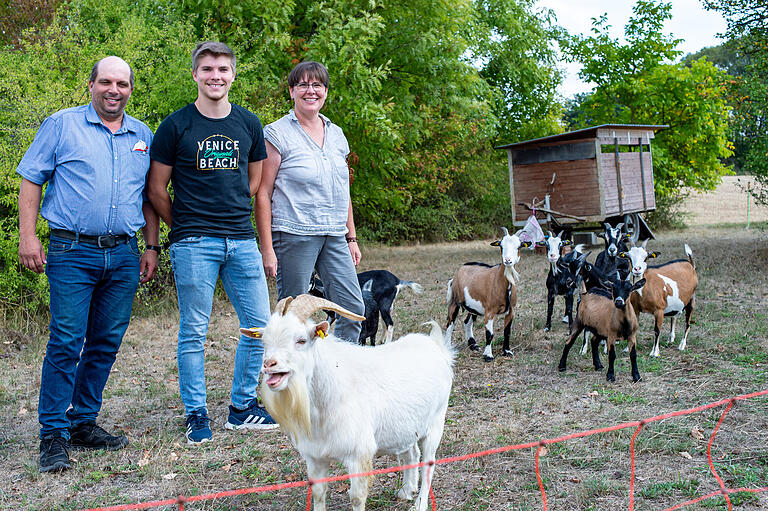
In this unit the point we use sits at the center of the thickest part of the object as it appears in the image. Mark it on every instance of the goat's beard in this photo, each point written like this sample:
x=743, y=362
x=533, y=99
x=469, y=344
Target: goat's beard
x=290, y=407
x=511, y=274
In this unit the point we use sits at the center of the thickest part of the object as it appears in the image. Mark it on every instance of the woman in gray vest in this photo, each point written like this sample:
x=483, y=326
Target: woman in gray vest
x=303, y=210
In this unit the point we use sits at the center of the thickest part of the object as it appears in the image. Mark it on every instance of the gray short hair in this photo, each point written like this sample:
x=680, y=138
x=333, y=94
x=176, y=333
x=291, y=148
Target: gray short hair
x=212, y=48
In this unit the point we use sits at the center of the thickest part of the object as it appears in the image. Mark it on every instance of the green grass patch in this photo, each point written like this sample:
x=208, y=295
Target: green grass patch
x=680, y=487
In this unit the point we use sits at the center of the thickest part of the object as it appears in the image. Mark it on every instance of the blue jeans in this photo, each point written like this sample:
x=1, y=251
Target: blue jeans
x=298, y=255
x=91, y=297
x=198, y=262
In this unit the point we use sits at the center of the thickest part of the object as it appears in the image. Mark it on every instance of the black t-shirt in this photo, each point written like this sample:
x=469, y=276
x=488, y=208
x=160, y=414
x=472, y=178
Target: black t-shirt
x=210, y=170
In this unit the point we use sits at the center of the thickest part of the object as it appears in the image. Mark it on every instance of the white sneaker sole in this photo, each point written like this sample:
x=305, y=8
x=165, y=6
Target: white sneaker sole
x=246, y=426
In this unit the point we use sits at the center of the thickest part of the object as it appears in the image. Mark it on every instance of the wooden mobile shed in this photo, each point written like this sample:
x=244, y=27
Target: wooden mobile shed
x=585, y=175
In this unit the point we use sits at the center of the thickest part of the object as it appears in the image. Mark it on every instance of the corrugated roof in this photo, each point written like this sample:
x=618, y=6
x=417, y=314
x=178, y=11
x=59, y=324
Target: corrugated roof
x=590, y=132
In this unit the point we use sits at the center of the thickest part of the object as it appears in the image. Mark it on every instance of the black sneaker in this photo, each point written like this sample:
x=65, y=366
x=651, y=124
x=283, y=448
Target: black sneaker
x=54, y=454
x=88, y=435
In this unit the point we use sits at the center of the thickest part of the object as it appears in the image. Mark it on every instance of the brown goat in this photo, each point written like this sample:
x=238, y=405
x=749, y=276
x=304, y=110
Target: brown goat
x=670, y=288
x=608, y=318
x=488, y=291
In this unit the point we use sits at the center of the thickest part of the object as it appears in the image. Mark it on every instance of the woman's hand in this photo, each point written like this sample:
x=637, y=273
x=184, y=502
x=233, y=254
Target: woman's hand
x=354, y=251
x=270, y=262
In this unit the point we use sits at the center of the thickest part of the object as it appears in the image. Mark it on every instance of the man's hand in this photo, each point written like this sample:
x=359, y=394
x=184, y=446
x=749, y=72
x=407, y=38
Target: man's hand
x=148, y=266
x=32, y=253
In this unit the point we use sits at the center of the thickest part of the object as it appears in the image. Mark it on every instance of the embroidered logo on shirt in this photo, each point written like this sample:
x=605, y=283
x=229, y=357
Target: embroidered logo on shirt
x=140, y=146
x=218, y=152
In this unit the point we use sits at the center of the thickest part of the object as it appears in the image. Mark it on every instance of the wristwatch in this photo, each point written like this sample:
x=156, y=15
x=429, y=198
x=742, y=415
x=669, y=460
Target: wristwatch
x=156, y=248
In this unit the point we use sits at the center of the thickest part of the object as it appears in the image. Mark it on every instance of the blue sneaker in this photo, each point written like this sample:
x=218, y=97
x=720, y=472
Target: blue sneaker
x=253, y=417
x=198, y=428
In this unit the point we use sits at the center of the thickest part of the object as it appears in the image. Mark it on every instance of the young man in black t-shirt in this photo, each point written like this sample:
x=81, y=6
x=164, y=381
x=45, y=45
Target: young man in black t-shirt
x=211, y=152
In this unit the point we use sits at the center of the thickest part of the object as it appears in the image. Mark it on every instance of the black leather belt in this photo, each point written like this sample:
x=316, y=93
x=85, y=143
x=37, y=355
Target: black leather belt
x=103, y=241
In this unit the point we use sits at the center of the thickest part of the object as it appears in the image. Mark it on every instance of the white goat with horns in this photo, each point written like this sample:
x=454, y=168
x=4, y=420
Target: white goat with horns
x=344, y=402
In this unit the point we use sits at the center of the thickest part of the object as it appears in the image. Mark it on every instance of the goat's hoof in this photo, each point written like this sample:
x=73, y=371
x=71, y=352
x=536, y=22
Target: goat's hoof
x=561, y=369
x=474, y=347
x=611, y=378
x=599, y=367
x=404, y=495
x=637, y=378
x=546, y=328
x=507, y=353
x=487, y=358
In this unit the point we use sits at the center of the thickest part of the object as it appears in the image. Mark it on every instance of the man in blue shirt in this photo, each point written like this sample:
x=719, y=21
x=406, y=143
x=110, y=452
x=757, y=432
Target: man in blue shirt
x=95, y=159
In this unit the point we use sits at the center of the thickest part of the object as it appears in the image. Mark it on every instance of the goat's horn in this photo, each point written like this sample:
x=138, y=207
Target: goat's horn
x=303, y=306
x=506, y=232
x=283, y=305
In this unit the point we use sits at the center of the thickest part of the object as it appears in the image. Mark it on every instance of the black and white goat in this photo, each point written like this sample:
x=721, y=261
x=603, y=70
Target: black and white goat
x=608, y=317
x=380, y=288
x=341, y=402
x=484, y=290
x=561, y=279
x=608, y=261
x=670, y=290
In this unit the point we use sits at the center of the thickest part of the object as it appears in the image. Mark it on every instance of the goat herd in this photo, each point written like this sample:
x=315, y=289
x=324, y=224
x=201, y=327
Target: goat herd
x=346, y=402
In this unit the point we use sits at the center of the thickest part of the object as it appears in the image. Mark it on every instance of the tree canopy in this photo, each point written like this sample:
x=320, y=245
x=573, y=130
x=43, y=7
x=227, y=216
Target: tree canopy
x=637, y=83
x=748, y=33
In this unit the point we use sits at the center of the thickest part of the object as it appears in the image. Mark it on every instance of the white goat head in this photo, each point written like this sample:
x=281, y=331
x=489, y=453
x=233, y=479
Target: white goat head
x=638, y=258
x=289, y=339
x=510, y=250
x=555, y=245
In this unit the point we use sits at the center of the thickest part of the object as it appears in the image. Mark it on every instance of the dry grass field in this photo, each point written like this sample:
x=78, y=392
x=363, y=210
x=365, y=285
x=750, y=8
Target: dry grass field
x=507, y=401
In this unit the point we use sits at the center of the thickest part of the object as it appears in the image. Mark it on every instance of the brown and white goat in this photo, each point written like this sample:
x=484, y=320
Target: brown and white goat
x=670, y=289
x=488, y=291
x=605, y=314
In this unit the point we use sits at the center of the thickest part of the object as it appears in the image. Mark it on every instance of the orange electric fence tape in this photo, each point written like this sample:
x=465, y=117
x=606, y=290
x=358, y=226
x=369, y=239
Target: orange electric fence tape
x=724, y=491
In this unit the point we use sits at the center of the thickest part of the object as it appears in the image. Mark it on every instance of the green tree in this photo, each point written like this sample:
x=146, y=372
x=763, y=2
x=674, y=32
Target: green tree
x=748, y=33
x=636, y=84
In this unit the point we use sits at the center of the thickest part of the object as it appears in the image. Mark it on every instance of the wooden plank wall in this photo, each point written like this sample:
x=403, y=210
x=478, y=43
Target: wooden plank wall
x=576, y=189
x=632, y=198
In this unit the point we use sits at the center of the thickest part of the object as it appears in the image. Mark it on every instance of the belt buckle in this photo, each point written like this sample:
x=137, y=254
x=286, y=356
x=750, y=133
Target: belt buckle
x=106, y=241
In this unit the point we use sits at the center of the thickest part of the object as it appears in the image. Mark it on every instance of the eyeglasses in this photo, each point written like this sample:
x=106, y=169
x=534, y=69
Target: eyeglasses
x=303, y=86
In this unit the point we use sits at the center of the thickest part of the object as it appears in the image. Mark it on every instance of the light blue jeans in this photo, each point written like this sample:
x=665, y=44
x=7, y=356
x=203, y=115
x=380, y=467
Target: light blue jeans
x=198, y=262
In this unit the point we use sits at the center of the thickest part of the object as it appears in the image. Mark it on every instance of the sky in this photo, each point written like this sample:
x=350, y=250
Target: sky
x=690, y=22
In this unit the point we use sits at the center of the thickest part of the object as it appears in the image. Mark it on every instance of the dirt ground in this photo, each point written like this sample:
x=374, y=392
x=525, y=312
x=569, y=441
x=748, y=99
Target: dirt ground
x=510, y=400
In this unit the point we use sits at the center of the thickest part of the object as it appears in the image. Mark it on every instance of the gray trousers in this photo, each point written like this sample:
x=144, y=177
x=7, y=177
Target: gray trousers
x=298, y=255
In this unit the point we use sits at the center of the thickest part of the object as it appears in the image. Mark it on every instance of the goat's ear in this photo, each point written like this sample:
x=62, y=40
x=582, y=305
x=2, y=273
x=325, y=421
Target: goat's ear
x=254, y=333
x=600, y=235
x=321, y=330
x=637, y=285
x=566, y=242
x=623, y=255
x=654, y=254
x=525, y=244
x=627, y=236
x=496, y=243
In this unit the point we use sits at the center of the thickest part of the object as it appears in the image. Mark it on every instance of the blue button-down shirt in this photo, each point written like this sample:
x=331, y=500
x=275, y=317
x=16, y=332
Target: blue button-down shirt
x=95, y=177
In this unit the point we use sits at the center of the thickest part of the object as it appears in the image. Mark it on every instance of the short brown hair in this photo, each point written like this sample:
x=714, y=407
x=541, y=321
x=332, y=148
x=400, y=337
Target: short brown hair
x=308, y=69
x=212, y=48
